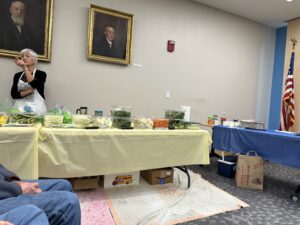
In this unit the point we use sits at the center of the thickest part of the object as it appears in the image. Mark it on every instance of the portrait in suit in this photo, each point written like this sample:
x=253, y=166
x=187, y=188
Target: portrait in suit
x=105, y=43
x=25, y=24
x=109, y=35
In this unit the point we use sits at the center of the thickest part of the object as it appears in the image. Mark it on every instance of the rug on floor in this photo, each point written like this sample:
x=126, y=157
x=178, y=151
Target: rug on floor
x=94, y=208
x=169, y=204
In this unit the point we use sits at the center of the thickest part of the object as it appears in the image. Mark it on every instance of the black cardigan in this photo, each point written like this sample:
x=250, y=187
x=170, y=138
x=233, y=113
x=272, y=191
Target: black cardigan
x=38, y=83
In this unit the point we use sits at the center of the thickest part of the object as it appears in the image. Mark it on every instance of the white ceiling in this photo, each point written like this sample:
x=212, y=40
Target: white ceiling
x=269, y=12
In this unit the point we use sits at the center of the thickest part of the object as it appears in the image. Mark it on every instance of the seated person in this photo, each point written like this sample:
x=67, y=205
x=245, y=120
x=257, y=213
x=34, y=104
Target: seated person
x=24, y=215
x=54, y=197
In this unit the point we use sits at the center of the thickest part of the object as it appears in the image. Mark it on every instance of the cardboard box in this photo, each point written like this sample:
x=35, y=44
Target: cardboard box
x=121, y=179
x=158, y=176
x=83, y=183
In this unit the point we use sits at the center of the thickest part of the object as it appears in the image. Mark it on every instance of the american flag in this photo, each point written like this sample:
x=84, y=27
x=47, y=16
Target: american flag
x=287, y=118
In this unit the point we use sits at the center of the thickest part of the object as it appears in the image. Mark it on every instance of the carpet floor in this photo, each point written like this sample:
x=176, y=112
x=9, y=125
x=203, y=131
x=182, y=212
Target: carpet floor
x=269, y=207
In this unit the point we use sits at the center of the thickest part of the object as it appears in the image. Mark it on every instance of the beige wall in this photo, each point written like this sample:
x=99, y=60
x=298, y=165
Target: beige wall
x=293, y=32
x=221, y=62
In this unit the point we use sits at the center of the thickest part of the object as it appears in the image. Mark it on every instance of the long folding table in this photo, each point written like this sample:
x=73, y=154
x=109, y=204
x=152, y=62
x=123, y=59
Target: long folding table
x=275, y=146
x=19, y=150
x=66, y=153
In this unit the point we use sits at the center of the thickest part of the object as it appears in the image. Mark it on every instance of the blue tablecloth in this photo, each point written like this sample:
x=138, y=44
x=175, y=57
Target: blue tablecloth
x=278, y=147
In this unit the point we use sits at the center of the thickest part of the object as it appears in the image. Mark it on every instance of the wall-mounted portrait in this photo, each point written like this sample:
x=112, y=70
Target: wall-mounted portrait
x=109, y=35
x=26, y=24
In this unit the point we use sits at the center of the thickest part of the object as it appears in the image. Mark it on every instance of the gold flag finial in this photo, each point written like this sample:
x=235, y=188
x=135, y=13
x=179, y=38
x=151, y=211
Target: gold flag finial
x=294, y=42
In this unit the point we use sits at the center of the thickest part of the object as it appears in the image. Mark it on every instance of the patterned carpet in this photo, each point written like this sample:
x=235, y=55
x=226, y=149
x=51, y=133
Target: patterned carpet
x=269, y=207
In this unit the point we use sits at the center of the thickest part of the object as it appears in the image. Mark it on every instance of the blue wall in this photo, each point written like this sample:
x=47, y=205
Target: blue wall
x=275, y=105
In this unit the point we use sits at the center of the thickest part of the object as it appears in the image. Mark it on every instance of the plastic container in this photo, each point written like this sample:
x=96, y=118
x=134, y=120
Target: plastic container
x=191, y=126
x=102, y=122
x=81, y=121
x=53, y=120
x=176, y=124
x=122, y=123
x=251, y=124
x=216, y=120
x=121, y=117
x=174, y=114
x=68, y=118
x=23, y=118
x=3, y=119
x=210, y=121
x=223, y=117
x=121, y=111
x=98, y=112
x=160, y=124
x=142, y=123
x=236, y=123
x=176, y=119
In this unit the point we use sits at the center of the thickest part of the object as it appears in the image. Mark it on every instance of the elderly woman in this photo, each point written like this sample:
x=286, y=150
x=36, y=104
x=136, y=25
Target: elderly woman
x=28, y=85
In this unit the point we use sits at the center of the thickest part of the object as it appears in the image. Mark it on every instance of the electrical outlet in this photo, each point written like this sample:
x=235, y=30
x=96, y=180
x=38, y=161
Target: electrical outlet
x=168, y=94
x=138, y=65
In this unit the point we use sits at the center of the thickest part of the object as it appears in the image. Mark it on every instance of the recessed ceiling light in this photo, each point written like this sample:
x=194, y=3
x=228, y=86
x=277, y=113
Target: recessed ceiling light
x=289, y=0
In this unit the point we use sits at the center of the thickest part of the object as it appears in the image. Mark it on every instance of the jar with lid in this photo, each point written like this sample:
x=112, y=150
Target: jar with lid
x=98, y=112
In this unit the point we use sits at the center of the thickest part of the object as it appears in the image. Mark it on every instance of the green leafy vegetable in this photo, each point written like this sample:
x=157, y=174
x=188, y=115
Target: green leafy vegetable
x=175, y=119
x=121, y=119
x=24, y=118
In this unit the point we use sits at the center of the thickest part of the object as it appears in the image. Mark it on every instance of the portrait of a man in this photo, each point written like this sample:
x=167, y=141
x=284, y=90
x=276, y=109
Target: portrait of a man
x=25, y=24
x=109, y=35
x=106, y=44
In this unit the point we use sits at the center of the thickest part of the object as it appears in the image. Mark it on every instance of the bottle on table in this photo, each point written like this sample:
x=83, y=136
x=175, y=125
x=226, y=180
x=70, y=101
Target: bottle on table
x=210, y=121
x=223, y=117
x=98, y=113
x=216, y=120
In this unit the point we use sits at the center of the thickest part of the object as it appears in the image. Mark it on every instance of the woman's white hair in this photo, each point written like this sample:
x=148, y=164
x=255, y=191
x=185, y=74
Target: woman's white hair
x=31, y=52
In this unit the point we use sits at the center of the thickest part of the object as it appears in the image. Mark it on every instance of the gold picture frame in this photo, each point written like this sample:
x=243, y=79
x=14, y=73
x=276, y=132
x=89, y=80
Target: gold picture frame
x=109, y=35
x=35, y=33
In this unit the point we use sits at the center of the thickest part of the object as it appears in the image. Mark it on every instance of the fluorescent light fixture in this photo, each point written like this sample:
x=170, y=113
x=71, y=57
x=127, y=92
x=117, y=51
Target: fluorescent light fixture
x=289, y=0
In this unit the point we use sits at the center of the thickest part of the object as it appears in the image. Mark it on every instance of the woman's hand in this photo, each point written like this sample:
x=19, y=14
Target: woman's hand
x=26, y=92
x=29, y=188
x=20, y=63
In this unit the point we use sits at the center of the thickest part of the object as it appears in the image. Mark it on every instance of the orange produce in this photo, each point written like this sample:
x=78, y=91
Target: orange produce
x=160, y=123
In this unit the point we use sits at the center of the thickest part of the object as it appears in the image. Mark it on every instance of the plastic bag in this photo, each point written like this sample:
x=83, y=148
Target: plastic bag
x=57, y=110
x=6, y=106
x=63, y=111
x=68, y=118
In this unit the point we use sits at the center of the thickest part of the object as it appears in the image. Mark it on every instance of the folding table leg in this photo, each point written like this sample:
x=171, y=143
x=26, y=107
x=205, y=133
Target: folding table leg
x=185, y=170
x=295, y=196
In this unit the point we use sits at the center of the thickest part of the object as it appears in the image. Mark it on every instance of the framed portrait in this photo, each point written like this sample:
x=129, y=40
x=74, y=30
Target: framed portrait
x=109, y=35
x=26, y=24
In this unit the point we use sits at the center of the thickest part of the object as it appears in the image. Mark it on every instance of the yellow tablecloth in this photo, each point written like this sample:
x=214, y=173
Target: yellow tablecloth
x=67, y=153
x=19, y=150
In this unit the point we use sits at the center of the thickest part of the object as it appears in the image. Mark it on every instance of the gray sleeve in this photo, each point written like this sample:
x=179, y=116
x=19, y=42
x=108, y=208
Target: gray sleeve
x=9, y=189
x=7, y=175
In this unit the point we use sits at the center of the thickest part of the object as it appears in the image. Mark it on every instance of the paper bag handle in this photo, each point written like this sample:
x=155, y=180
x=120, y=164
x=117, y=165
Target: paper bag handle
x=248, y=153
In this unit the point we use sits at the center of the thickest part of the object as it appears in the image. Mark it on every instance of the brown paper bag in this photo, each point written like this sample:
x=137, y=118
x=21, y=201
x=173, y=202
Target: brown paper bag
x=250, y=172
